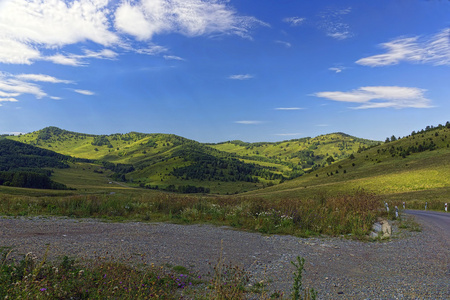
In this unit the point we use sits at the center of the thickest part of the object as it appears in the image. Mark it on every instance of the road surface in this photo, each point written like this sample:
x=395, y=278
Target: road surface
x=439, y=222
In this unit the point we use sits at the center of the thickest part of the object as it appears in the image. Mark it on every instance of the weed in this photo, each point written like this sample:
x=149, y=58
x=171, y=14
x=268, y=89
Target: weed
x=297, y=288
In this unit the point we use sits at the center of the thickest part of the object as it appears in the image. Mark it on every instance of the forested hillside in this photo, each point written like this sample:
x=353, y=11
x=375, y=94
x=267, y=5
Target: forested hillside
x=27, y=166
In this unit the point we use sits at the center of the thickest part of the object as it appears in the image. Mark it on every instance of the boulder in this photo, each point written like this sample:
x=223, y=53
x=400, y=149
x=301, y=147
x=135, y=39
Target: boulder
x=381, y=227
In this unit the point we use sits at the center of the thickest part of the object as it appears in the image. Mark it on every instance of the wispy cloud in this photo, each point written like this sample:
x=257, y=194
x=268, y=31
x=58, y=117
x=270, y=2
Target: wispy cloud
x=240, y=77
x=77, y=60
x=284, y=43
x=333, y=24
x=381, y=97
x=173, y=57
x=145, y=18
x=41, y=78
x=247, y=122
x=433, y=50
x=12, y=87
x=294, y=21
x=84, y=92
x=288, y=108
x=336, y=69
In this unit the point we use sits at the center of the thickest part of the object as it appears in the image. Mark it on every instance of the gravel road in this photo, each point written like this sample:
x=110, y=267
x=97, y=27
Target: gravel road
x=411, y=266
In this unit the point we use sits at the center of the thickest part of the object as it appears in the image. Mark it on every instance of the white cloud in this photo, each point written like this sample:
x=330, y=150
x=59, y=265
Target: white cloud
x=84, y=92
x=15, y=52
x=173, y=57
x=381, y=97
x=14, y=86
x=152, y=50
x=431, y=50
x=336, y=69
x=246, y=122
x=26, y=25
x=286, y=44
x=77, y=60
x=288, y=108
x=11, y=87
x=41, y=78
x=241, y=77
x=332, y=23
x=8, y=100
x=64, y=60
x=145, y=18
x=294, y=21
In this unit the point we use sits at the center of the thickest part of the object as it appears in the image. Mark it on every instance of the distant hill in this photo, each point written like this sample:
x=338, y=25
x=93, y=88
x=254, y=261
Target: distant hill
x=23, y=165
x=170, y=162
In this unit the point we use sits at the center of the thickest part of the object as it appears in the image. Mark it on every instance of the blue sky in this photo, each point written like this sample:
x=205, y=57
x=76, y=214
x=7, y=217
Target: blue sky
x=213, y=71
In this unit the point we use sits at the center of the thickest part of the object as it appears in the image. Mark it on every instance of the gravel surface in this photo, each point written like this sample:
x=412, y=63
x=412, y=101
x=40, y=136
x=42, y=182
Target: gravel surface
x=409, y=266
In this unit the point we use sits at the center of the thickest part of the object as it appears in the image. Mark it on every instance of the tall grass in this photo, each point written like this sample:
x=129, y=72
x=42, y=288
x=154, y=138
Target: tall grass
x=332, y=215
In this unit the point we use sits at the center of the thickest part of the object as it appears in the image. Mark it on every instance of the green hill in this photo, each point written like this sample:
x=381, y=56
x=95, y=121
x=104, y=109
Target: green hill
x=416, y=167
x=170, y=162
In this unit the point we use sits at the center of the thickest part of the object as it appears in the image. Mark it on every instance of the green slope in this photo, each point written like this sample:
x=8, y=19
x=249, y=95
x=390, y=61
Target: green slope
x=410, y=168
x=300, y=154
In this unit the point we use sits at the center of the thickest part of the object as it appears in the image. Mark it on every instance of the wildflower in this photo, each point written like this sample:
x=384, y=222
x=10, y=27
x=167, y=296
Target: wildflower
x=43, y=289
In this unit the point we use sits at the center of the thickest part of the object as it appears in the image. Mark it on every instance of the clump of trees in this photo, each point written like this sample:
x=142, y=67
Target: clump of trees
x=22, y=165
x=29, y=180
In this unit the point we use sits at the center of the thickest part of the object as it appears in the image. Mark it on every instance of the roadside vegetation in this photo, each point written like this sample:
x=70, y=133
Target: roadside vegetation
x=105, y=278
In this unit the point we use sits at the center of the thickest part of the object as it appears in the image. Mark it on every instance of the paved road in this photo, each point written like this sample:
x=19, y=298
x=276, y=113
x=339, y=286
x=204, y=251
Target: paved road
x=439, y=222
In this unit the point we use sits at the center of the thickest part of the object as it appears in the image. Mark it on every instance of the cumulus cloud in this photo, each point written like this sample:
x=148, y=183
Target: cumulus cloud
x=381, y=97
x=84, y=92
x=294, y=21
x=433, y=49
x=240, y=76
x=27, y=25
x=247, y=122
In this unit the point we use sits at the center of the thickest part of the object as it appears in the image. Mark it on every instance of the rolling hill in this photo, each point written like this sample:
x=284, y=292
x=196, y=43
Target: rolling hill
x=415, y=167
x=170, y=162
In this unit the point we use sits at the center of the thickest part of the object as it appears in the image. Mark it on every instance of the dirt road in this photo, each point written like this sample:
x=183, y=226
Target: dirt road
x=412, y=267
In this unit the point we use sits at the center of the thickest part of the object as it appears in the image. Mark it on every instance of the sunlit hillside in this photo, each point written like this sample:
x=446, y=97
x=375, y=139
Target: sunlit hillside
x=412, y=167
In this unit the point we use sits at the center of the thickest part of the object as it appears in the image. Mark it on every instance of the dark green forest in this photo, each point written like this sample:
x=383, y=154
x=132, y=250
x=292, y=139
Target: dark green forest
x=22, y=165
